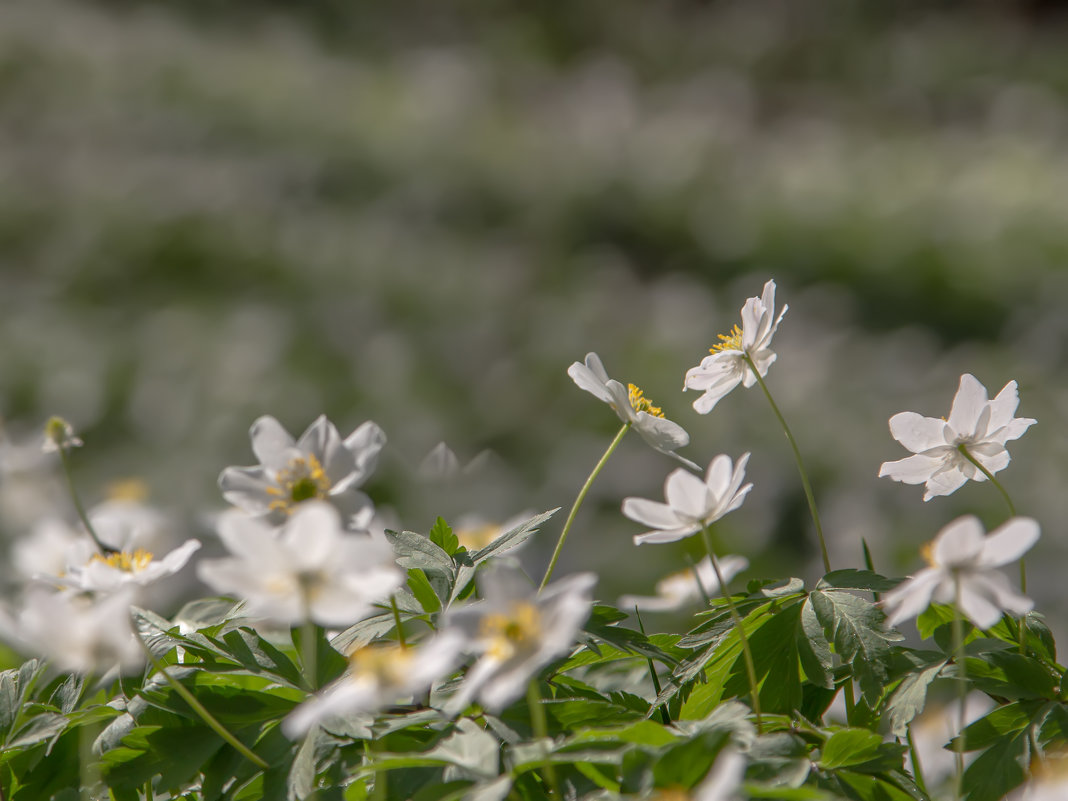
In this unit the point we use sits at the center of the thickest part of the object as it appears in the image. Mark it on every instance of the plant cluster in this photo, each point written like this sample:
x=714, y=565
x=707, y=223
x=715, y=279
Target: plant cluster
x=346, y=662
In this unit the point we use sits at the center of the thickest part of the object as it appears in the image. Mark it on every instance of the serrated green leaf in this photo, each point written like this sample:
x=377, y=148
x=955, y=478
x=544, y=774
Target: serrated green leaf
x=686, y=763
x=600, y=625
x=999, y=769
x=1001, y=723
x=416, y=550
x=872, y=788
x=813, y=648
x=360, y=634
x=40, y=728
x=856, y=580
x=1012, y=675
x=849, y=747
x=442, y=536
x=301, y=779
x=910, y=697
x=254, y=653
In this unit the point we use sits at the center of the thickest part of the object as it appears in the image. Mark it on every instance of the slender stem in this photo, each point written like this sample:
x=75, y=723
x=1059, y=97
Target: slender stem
x=917, y=768
x=750, y=667
x=962, y=687
x=198, y=707
x=88, y=771
x=378, y=793
x=397, y=622
x=1004, y=494
x=850, y=699
x=541, y=729
x=578, y=502
x=309, y=653
x=700, y=585
x=64, y=459
x=809, y=496
x=665, y=716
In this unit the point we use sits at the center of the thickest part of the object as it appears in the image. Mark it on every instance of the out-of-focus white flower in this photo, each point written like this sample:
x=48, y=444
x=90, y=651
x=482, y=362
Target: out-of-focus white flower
x=976, y=425
x=310, y=569
x=78, y=633
x=318, y=466
x=52, y=548
x=692, y=503
x=516, y=631
x=726, y=367
x=476, y=532
x=936, y=726
x=963, y=567
x=680, y=589
x=112, y=571
x=378, y=675
x=1049, y=782
x=59, y=436
x=631, y=406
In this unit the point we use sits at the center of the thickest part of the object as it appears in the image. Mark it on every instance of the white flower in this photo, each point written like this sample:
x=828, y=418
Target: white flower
x=727, y=366
x=109, y=572
x=692, y=503
x=680, y=589
x=59, y=436
x=378, y=675
x=975, y=424
x=320, y=465
x=1049, y=781
x=52, y=548
x=631, y=406
x=963, y=566
x=517, y=631
x=724, y=779
x=310, y=569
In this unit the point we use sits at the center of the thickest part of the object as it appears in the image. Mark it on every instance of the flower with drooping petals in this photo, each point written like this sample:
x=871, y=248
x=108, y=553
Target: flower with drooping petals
x=681, y=588
x=976, y=425
x=320, y=465
x=963, y=569
x=727, y=366
x=631, y=406
x=692, y=503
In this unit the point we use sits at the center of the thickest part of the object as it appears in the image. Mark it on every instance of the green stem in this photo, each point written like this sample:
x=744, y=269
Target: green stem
x=917, y=768
x=198, y=707
x=397, y=622
x=64, y=459
x=962, y=687
x=309, y=653
x=809, y=496
x=665, y=716
x=1008, y=502
x=88, y=771
x=750, y=667
x=700, y=586
x=578, y=502
x=378, y=793
x=540, y=725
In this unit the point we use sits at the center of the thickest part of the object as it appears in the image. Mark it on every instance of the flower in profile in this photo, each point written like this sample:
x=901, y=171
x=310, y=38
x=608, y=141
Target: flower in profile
x=311, y=569
x=631, y=406
x=59, y=436
x=318, y=466
x=692, y=503
x=516, y=631
x=976, y=428
x=963, y=569
x=378, y=675
x=111, y=571
x=681, y=588
x=728, y=364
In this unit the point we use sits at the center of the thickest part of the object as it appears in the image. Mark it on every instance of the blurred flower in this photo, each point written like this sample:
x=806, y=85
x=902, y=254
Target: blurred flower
x=310, y=569
x=631, y=406
x=936, y=726
x=110, y=572
x=976, y=426
x=476, y=532
x=963, y=567
x=320, y=465
x=692, y=503
x=1049, y=781
x=59, y=436
x=52, y=548
x=516, y=631
x=727, y=366
x=680, y=589
x=378, y=675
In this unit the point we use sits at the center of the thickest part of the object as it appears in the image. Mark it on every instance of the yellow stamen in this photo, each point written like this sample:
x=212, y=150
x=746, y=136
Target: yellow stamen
x=927, y=552
x=302, y=480
x=511, y=632
x=386, y=664
x=640, y=403
x=475, y=538
x=128, y=489
x=124, y=560
x=731, y=341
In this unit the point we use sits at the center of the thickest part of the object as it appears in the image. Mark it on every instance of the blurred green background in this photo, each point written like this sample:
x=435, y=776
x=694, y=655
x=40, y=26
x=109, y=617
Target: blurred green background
x=422, y=213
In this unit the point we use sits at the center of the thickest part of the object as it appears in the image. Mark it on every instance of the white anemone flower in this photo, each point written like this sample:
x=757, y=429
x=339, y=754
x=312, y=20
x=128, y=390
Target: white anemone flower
x=692, y=504
x=976, y=425
x=1049, y=781
x=681, y=588
x=516, y=631
x=631, y=406
x=378, y=675
x=964, y=569
x=727, y=366
x=320, y=465
x=138, y=568
x=309, y=569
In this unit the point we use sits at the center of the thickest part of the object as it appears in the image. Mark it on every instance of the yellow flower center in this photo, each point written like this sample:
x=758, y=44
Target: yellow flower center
x=731, y=341
x=302, y=480
x=128, y=489
x=673, y=794
x=927, y=552
x=475, y=538
x=640, y=403
x=385, y=664
x=124, y=560
x=511, y=632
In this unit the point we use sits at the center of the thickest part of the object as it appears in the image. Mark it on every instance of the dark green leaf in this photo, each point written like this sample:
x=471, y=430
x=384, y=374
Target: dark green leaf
x=999, y=769
x=910, y=697
x=849, y=747
x=442, y=536
x=1012, y=675
x=856, y=580
x=813, y=649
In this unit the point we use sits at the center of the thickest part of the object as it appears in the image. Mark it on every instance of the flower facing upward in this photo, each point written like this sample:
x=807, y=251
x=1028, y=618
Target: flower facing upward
x=631, y=406
x=963, y=569
x=320, y=465
x=692, y=503
x=680, y=589
x=727, y=366
x=976, y=425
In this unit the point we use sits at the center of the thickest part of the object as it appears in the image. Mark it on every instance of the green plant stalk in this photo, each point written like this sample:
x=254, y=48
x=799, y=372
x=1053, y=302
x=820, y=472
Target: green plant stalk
x=198, y=707
x=64, y=460
x=665, y=716
x=309, y=653
x=750, y=667
x=578, y=503
x=809, y=496
x=700, y=587
x=917, y=768
x=378, y=793
x=1008, y=502
x=88, y=771
x=962, y=687
x=541, y=730
x=397, y=622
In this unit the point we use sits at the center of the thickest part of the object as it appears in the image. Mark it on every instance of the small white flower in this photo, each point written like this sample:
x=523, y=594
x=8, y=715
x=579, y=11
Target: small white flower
x=320, y=465
x=310, y=569
x=727, y=366
x=963, y=566
x=378, y=675
x=692, y=503
x=112, y=571
x=980, y=426
x=517, y=631
x=680, y=589
x=59, y=436
x=631, y=406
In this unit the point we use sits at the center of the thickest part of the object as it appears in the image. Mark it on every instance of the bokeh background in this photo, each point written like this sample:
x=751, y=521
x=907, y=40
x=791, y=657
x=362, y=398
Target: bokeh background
x=422, y=213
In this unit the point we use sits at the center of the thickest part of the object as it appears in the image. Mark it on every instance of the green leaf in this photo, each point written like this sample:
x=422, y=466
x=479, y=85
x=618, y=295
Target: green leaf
x=849, y=747
x=415, y=550
x=999, y=769
x=601, y=625
x=254, y=653
x=301, y=778
x=423, y=591
x=1012, y=675
x=813, y=649
x=470, y=748
x=873, y=788
x=364, y=632
x=40, y=728
x=910, y=697
x=1000, y=724
x=686, y=763
x=442, y=536
x=856, y=580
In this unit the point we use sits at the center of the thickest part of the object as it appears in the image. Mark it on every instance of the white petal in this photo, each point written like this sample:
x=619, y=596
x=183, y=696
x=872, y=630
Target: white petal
x=1009, y=542
x=271, y=443
x=363, y=445
x=687, y=494
x=722, y=782
x=588, y=380
x=177, y=559
x=916, y=432
x=312, y=534
x=996, y=587
x=718, y=476
x=665, y=535
x=968, y=404
x=960, y=543
x=912, y=597
x=662, y=434
x=319, y=439
x=707, y=402
x=910, y=470
x=1003, y=406
x=246, y=488
x=977, y=606
x=944, y=482
x=651, y=513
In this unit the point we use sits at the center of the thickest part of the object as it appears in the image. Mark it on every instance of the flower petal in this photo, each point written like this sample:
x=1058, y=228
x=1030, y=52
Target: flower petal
x=590, y=379
x=916, y=432
x=968, y=404
x=944, y=482
x=912, y=597
x=687, y=495
x=910, y=470
x=1009, y=542
x=959, y=544
x=271, y=443
x=651, y=513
